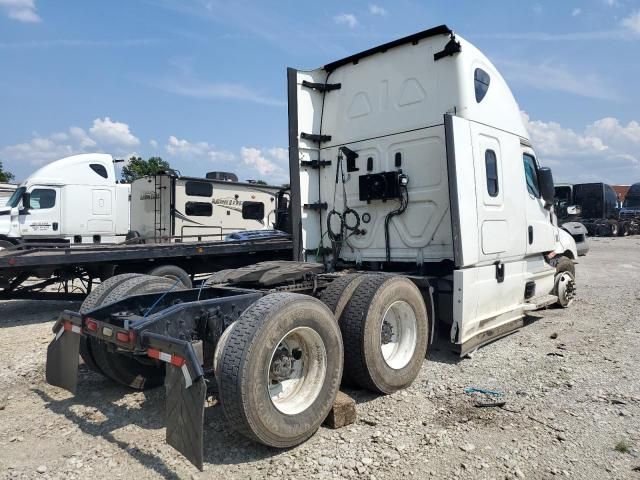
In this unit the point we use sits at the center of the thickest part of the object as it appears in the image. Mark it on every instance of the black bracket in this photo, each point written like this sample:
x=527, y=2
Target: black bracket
x=316, y=206
x=315, y=137
x=322, y=87
x=451, y=48
x=315, y=163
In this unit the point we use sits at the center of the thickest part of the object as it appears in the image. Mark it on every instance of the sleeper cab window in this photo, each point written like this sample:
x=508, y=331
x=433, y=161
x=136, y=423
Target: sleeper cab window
x=198, y=209
x=491, y=166
x=531, y=175
x=481, y=82
x=199, y=189
x=99, y=169
x=42, y=198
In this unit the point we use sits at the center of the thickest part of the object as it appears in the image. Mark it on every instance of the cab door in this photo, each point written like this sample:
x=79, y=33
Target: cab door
x=540, y=234
x=484, y=169
x=41, y=218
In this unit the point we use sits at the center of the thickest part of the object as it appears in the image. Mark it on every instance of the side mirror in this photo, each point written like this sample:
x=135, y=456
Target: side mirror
x=547, y=190
x=574, y=210
x=26, y=202
x=253, y=210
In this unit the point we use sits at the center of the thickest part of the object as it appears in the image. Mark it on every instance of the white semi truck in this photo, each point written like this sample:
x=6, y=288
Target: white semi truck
x=72, y=200
x=418, y=206
x=6, y=190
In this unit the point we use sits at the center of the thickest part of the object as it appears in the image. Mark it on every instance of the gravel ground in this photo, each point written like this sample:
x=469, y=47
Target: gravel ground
x=569, y=378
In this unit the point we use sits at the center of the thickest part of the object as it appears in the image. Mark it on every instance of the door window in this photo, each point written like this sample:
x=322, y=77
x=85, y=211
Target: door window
x=42, y=198
x=531, y=175
x=491, y=167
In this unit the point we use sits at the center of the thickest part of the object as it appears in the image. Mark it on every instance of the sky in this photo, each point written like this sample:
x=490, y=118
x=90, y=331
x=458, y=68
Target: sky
x=202, y=83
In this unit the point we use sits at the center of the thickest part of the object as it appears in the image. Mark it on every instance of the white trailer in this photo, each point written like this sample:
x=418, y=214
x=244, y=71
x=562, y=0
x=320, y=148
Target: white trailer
x=6, y=190
x=169, y=207
x=417, y=200
x=74, y=199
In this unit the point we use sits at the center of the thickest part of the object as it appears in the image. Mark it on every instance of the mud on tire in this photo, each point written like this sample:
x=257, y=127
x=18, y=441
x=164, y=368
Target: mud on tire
x=380, y=305
x=248, y=393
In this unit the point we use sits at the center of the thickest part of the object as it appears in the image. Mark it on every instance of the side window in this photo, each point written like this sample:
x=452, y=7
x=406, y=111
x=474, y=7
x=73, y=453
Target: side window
x=42, y=198
x=491, y=166
x=531, y=175
x=199, y=189
x=481, y=82
x=198, y=209
x=99, y=169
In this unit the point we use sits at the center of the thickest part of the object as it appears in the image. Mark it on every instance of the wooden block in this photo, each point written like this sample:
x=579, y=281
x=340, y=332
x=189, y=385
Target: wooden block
x=343, y=412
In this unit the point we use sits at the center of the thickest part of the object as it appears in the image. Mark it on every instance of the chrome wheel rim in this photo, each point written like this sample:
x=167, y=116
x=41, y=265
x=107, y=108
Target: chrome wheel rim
x=297, y=370
x=398, y=334
x=565, y=288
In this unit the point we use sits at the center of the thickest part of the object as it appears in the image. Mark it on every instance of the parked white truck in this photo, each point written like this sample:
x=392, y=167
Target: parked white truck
x=75, y=199
x=418, y=206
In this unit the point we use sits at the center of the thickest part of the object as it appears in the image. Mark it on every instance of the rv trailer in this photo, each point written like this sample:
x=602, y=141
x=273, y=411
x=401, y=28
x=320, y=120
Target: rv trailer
x=169, y=207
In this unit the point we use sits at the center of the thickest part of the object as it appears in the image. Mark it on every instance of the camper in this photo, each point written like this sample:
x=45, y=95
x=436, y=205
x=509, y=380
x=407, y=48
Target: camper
x=419, y=206
x=6, y=190
x=170, y=207
x=72, y=200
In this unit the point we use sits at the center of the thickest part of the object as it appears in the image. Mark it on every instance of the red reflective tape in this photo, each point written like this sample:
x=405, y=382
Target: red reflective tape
x=177, y=361
x=91, y=325
x=153, y=353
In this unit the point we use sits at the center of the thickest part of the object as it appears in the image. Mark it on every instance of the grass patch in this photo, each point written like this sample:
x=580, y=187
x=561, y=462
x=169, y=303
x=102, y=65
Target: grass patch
x=623, y=446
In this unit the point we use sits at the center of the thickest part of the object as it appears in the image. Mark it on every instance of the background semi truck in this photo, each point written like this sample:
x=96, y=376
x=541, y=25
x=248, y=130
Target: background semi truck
x=595, y=205
x=6, y=190
x=631, y=204
x=72, y=200
x=418, y=206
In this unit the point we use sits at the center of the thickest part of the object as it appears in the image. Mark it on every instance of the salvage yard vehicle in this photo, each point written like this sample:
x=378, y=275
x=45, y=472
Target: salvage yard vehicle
x=170, y=207
x=594, y=205
x=72, y=200
x=630, y=210
x=6, y=190
x=418, y=205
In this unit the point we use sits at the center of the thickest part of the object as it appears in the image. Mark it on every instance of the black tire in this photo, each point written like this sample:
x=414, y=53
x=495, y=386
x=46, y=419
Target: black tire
x=339, y=292
x=613, y=229
x=93, y=301
x=623, y=231
x=249, y=350
x=362, y=323
x=172, y=272
x=137, y=373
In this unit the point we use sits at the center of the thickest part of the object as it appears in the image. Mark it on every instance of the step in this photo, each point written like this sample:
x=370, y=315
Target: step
x=539, y=302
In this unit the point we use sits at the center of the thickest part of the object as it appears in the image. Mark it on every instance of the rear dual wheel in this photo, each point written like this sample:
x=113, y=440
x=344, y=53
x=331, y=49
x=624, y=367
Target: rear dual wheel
x=385, y=329
x=279, y=369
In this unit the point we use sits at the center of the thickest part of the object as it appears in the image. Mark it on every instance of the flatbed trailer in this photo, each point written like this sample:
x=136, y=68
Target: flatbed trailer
x=27, y=270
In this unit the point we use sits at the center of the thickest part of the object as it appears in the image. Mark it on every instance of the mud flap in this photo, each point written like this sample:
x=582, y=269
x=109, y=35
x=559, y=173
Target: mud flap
x=185, y=414
x=62, y=360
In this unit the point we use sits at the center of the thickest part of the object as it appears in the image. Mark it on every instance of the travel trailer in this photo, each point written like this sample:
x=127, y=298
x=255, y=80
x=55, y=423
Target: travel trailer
x=418, y=205
x=6, y=190
x=169, y=207
x=73, y=200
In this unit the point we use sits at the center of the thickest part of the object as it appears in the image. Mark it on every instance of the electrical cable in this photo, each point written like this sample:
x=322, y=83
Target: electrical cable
x=404, y=203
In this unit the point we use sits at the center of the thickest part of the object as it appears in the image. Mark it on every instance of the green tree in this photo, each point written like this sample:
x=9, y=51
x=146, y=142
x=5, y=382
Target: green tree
x=5, y=176
x=139, y=167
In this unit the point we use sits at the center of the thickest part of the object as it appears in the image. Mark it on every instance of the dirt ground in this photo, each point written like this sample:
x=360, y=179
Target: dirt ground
x=570, y=380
